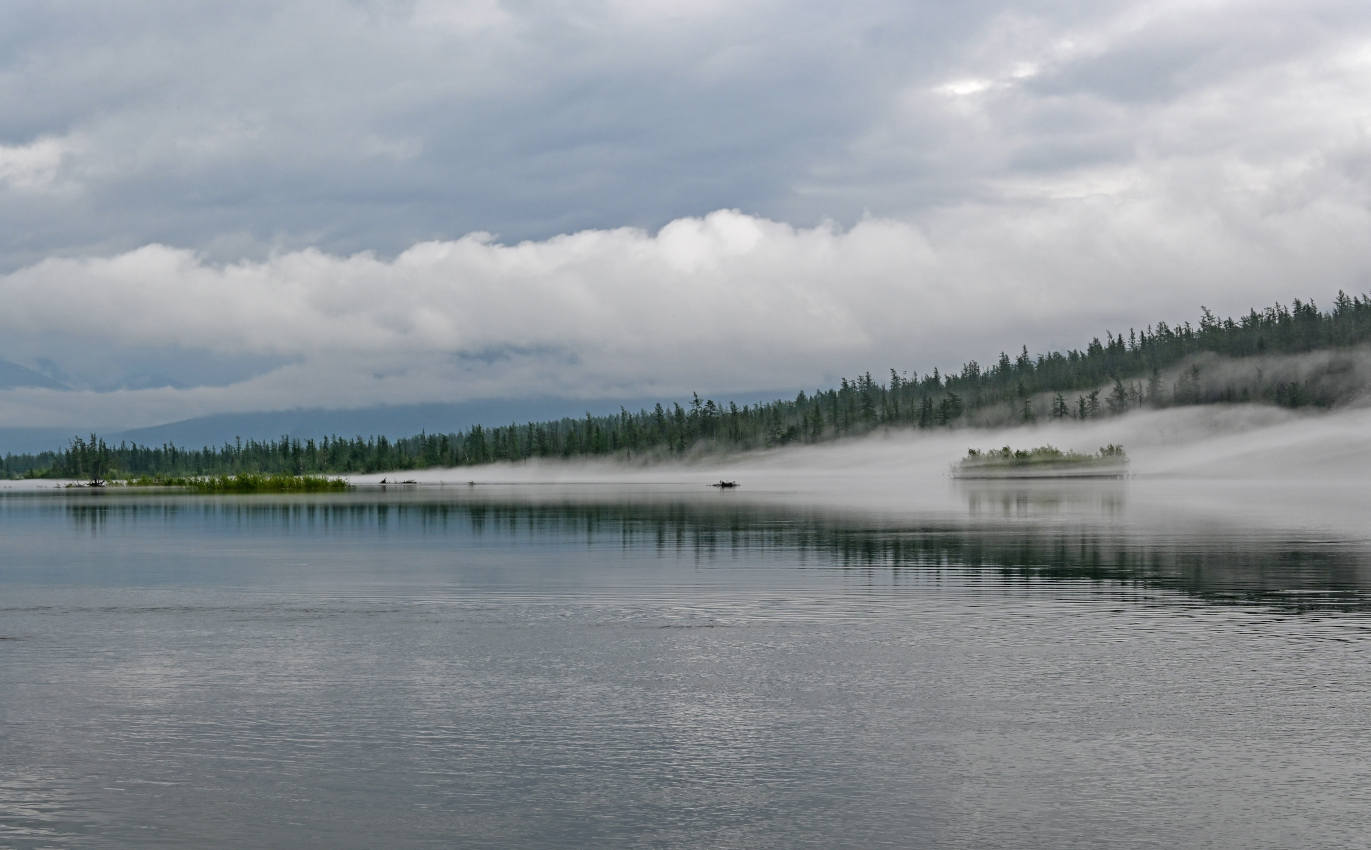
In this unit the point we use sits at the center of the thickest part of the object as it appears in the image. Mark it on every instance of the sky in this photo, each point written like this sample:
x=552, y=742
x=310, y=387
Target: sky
x=211, y=208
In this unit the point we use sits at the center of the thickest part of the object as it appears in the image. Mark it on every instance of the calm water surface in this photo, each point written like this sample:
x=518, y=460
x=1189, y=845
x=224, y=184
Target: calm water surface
x=663, y=667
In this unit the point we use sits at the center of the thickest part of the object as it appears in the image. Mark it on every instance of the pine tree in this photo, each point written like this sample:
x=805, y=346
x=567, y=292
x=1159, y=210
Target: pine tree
x=1059, y=408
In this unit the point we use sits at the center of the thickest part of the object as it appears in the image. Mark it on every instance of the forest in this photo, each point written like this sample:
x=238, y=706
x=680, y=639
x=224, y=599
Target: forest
x=1157, y=366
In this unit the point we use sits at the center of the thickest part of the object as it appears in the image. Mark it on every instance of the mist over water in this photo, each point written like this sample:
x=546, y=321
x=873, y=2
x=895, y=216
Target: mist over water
x=850, y=649
x=1243, y=466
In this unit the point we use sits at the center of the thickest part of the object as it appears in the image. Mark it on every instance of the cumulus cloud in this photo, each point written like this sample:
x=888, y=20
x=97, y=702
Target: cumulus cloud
x=724, y=303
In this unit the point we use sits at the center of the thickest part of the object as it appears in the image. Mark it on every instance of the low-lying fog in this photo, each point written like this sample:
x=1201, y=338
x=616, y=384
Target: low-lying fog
x=1250, y=467
x=1240, y=469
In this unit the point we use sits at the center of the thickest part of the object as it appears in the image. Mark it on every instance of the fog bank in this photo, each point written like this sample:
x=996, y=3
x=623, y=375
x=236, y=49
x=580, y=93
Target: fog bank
x=1257, y=467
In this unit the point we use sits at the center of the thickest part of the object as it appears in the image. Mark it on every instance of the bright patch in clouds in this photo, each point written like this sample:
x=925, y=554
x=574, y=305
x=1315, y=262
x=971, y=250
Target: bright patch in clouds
x=962, y=88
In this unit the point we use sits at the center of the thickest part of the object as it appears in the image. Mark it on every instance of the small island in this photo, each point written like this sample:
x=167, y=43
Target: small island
x=1043, y=462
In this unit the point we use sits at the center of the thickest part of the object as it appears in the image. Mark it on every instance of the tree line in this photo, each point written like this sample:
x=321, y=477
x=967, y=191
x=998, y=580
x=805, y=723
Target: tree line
x=1107, y=377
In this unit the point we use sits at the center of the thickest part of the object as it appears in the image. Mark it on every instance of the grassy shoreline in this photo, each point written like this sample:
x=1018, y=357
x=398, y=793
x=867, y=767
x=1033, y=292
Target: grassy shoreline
x=246, y=482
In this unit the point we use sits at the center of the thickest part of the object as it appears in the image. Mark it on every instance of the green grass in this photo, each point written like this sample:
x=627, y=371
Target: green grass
x=247, y=482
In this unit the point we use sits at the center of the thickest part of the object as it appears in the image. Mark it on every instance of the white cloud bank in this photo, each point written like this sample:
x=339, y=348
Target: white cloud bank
x=724, y=303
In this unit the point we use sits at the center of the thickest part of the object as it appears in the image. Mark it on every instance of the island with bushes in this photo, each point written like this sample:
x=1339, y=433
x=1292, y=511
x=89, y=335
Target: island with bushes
x=1043, y=462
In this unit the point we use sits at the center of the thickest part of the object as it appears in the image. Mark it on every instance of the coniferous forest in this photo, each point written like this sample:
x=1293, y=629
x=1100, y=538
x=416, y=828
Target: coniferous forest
x=1157, y=366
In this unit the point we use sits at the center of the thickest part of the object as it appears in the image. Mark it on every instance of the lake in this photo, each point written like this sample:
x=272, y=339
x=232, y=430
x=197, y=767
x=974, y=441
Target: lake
x=666, y=665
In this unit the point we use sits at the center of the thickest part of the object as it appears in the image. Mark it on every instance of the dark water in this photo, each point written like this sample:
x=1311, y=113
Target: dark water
x=660, y=668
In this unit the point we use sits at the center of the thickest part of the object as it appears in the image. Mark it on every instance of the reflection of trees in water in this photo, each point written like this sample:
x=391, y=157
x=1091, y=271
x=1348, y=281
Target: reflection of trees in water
x=90, y=518
x=1294, y=576
x=1027, y=500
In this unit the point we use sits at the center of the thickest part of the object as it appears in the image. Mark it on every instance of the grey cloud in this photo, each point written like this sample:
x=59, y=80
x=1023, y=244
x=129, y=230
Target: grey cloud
x=277, y=195
x=352, y=127
x=1186, y=49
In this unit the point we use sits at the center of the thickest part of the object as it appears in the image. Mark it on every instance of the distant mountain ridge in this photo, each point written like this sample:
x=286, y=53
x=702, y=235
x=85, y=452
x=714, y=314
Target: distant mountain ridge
x=13, y=376
x=391, y=421
x=388, y=421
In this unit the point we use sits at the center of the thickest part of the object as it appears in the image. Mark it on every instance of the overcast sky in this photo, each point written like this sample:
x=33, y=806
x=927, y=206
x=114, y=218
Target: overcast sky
x=257, y=205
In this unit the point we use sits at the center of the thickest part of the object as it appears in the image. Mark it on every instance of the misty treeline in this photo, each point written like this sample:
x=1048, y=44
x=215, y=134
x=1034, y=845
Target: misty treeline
x=1157, y=366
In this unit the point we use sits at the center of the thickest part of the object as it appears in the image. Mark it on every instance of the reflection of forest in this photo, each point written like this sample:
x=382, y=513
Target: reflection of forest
x=1026, y=499
x=1052, y=535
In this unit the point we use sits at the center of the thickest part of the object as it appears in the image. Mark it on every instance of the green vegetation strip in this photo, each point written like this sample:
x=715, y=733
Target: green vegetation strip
x=247, y=482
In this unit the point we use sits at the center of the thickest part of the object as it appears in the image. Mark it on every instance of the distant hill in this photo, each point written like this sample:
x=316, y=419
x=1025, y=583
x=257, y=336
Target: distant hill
x=21, y=441
x=393, y=422
x=14, y=376
x=388, y=421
